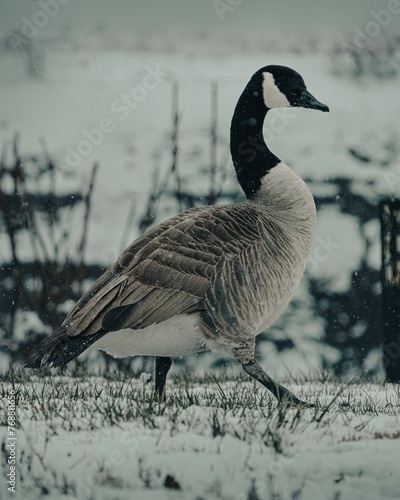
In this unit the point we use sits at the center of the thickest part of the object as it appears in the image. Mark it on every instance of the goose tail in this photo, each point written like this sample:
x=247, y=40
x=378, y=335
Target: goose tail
x=59, y=349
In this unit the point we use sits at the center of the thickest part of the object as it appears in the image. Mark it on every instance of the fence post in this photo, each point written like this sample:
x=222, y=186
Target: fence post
x=390, y=237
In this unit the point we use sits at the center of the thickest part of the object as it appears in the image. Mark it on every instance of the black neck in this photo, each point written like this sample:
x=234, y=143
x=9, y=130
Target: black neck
x=251, y=157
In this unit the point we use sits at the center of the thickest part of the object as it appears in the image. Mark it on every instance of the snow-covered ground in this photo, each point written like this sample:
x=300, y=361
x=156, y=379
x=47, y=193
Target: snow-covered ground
x=90, y=437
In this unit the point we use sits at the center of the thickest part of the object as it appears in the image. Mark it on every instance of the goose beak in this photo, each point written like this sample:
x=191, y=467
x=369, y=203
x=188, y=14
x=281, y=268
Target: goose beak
x=307, y=100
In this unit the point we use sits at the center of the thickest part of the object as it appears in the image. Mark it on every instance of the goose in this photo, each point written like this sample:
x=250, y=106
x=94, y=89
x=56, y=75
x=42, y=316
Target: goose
x=210, y=278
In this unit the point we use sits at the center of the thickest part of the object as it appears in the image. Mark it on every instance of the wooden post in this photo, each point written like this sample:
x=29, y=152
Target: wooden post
x=390, y=235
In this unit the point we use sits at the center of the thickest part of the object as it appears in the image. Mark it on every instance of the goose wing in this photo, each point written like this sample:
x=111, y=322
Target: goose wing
x=167, y=271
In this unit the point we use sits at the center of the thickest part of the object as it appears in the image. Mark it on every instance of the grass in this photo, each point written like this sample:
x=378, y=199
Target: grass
x=114, y=397
x=211, y=412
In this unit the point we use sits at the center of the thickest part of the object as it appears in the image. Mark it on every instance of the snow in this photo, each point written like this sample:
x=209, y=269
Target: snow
x=77, y=89
x=338, y=246
x=215, y=441
x=223, y=439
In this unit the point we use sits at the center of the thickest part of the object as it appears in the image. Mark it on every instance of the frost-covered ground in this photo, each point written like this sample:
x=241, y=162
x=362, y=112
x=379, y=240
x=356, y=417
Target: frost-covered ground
x=90, y=437
x=100, y=438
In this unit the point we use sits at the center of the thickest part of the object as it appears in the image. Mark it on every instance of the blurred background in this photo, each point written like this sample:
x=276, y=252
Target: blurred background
x=116, y=115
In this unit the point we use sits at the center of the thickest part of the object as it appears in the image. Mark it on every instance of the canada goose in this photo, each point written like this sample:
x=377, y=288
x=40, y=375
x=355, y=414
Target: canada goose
x=210, y=278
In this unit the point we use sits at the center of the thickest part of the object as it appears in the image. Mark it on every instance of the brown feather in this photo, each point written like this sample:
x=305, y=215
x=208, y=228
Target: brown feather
x=167, y=271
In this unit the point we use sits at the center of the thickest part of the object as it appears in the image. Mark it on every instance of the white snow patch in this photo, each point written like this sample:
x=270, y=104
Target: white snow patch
x=338, y=249
x=212, y=453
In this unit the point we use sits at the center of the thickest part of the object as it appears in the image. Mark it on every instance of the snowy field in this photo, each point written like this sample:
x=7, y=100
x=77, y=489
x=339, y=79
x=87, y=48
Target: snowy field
x=218, y=436
x=89, y=437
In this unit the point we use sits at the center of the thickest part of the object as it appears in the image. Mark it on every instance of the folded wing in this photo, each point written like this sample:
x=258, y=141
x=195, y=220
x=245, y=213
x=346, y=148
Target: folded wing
x=165, y=272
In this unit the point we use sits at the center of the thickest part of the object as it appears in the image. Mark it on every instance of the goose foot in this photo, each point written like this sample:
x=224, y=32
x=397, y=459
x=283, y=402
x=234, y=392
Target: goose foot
x=294, y=402
x=283, y=395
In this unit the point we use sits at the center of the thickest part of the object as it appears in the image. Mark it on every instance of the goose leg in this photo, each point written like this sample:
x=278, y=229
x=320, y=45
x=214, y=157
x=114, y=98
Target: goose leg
x=282, y=394
x=162, y=367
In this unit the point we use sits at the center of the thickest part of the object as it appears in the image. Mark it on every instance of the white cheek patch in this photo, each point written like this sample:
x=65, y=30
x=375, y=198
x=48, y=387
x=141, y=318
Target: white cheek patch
x=273, y=97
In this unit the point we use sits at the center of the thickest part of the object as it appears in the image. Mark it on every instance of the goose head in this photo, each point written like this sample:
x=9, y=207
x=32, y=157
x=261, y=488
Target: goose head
x=284, y=87
x=270, y=87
